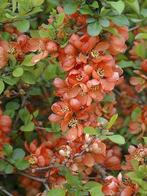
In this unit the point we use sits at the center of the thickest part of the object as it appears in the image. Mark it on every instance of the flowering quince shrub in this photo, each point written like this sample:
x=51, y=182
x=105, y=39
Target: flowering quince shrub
x=73, y=87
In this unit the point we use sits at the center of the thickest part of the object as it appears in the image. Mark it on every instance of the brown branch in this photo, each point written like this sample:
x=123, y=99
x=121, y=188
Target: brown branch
x=38, y=179
x=133, y=28
x=43, y=180
x=84, y=150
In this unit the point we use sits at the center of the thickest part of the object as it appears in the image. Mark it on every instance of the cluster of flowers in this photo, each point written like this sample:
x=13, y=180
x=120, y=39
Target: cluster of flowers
x=81, y=157
x=22, y=44
x=91, y=73
x=90, y=64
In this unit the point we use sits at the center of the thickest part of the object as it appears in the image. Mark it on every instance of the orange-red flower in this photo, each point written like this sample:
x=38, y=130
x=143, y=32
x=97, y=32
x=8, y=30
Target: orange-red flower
x=144, y=65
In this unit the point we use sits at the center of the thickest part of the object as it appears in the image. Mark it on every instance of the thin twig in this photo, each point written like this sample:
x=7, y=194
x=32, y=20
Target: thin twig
x=44, y=168
x=133, y=28
x=43, y=180
x=38, y=179
x=84, y=150
x=2, y=189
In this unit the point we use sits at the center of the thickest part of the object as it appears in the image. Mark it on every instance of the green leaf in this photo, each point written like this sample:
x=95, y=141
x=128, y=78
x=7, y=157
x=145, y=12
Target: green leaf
x=136, y=114
x=104, y=22
x=35, y=91
x=2, y=165
x=12, y=105
x=56, y=192
x=70, y=7
x=120, y=20
x=37, y=2
x=34, y=33
x=27, y=61
x=8, y=149
x=8, y=169
x=18, y=72
x=22, y=164
x=14, y=3
x=118, y=139
x=91, y=20
x=95, y=4
x=135, y=164
x=49, y=31
x=134, y=5
x=111, y=30
x=96, y=191
x=85, y=9
x=141, y=36
x=6, y=36
x=18, y=154
x=28, y=127
x=141, y=50
x=35, y=113
x=10, y=80
x=71, y=179
x=112, y=121
x=24, y=115
x=145, y=140
x=90, y=131
x=44, y=33
x=125, y=64
x=144, y=12
x=2, y=86
x=91, y=184
x=22, y=25
x=28, y=78
x=118, y=6
x=10, y=113
x=50, y=71
x=94, y=28
x=60, y=19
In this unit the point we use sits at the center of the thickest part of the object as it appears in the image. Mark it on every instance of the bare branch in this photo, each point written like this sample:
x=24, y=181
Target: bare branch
x=2, y=189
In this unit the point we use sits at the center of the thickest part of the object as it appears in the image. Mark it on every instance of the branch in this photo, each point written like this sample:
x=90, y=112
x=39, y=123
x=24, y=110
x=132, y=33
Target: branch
x=133, y=28
x=42, y=180
x=2, y=189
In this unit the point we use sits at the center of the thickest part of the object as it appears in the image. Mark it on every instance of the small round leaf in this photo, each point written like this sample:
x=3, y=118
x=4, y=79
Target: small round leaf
x=2, y=86
x=18, y=72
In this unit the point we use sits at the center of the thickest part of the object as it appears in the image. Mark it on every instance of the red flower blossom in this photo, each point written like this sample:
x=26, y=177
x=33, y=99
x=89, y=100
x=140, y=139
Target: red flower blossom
x=144, y=65
x=117, y=45
x=3, y=53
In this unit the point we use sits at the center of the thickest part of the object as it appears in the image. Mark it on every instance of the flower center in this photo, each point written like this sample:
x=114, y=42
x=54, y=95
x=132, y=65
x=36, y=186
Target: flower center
x=138, y=156
x=65, y=109
x=72, y=123
x=11, y=50
x=100, y=72
x=32, y=160
x=94, y=53
x=95, y=88
x=79, y=78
